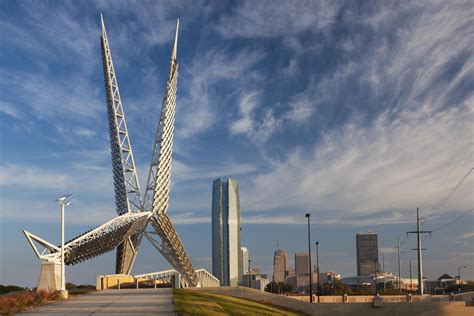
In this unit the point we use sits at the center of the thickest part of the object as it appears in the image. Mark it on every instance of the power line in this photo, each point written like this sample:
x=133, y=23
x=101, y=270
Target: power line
x=438, y=206
x=451, y=222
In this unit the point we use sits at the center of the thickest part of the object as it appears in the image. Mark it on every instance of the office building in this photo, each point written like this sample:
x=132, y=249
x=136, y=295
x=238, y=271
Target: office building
x=255, y=280
x=301, y=263
x=367, y=253
x=226, y=245
x=280, y=265
x=244, y=255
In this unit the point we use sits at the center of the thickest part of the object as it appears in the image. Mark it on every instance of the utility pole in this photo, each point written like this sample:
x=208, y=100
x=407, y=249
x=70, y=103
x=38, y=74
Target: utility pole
x=411, y=280
x=383, y=270
x=317, y=270
x=419, y=249
x=375, y=263
x=399, y=273
x=309, y=259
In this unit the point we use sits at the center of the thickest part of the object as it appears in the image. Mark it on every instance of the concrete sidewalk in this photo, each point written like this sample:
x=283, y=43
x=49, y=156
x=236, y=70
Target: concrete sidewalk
x=113, y=302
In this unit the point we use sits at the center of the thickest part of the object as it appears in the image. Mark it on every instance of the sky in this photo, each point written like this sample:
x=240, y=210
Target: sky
x=355, y=111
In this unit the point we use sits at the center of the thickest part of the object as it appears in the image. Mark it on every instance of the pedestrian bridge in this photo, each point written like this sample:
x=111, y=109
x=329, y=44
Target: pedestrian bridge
x=154, y=279
x=205, y=279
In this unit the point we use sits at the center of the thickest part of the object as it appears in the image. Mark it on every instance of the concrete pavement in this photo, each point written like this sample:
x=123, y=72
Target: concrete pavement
x=113, y=302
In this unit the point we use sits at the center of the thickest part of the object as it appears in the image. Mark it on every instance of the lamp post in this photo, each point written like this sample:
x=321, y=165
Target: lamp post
x=250, y=277
x=375, y=263
x=63, y=202
x=318, y=289
x=309, y=259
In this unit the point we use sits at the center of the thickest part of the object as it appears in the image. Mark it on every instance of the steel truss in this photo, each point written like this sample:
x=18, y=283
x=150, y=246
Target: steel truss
x=126, y=184
x=95, y=242
x=125, y=232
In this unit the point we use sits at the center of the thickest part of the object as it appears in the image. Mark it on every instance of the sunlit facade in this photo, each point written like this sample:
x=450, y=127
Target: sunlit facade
x=226, y=244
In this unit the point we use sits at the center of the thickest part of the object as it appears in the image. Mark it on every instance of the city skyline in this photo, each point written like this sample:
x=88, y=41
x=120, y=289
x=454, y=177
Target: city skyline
x=356, y=114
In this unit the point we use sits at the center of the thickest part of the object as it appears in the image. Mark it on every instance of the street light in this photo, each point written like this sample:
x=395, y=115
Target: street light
x=309, y=258
x=318, y=289
x=63, y=202
x=249, y=274
x=375, y=263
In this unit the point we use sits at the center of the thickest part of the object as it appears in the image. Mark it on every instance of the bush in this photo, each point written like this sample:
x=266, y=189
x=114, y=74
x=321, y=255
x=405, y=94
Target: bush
x=18, y=302
x=10, y=288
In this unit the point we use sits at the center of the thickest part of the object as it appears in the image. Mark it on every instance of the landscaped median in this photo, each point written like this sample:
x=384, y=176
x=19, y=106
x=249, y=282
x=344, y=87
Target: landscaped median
x=188, y=302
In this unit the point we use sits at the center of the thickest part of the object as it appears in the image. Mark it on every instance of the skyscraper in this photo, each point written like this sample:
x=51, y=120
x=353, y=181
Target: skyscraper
x=280, y=265
x=226, y=252
x=367, y=253
x=301, y=263
x=244, y=253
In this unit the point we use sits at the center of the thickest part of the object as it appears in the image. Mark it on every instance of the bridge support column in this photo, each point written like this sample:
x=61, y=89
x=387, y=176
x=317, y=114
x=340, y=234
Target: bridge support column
x=50, y=276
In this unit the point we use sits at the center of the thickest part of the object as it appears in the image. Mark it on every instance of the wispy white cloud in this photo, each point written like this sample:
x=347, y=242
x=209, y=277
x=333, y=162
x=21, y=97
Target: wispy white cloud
x=201, y=102
x=10, y=110
x=183, y=172
x=32, y=177
x=245, y=123
x=85, y=132
x=388, y=165
x=254, y=19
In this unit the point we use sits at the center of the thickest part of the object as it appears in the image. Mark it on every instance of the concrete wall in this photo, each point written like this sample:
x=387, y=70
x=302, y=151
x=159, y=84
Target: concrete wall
x=363, y=309
x=385, y=299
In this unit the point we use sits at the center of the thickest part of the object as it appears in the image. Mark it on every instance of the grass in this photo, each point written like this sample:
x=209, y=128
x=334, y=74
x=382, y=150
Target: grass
x=192, y=303
x=20, y=301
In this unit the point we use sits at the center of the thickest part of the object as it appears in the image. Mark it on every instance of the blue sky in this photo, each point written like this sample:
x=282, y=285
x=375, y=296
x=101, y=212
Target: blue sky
x=357, y=111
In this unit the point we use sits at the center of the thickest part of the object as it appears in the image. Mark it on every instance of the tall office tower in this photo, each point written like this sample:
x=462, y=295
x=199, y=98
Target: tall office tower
x=244, y=255
x=367, y=253
x=301, y=263
x=226, y=253
x=280, y=265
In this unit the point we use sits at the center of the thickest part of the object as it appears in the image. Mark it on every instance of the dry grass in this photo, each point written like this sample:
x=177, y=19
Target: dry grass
x=20, y=301
x=192, y=303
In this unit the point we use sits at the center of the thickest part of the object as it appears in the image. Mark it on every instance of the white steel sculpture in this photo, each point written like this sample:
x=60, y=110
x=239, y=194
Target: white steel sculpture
x=125, y=231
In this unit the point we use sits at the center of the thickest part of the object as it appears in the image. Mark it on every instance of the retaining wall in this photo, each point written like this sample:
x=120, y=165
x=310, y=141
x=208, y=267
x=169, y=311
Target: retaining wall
x=363, y=309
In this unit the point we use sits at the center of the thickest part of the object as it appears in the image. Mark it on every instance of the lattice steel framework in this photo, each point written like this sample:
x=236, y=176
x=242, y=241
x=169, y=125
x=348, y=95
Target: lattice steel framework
x=94, y=242
x=159, y=178
x=126, y=231
x=126, y=185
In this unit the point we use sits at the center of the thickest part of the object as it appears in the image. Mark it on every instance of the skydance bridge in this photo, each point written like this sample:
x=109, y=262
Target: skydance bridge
x=135, y=211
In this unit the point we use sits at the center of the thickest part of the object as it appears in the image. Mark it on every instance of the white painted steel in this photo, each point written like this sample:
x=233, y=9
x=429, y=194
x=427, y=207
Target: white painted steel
x=126, y=230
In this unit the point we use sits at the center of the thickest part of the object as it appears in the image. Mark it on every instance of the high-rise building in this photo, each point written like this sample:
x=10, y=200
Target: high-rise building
x=301, y=263
x=367, y=253
x=244, y=253
x=226, y=252
x=280, y=265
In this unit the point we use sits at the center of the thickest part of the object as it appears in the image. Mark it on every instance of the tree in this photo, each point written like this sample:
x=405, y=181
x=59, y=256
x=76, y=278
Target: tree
x=335, y=288
x=279, y=288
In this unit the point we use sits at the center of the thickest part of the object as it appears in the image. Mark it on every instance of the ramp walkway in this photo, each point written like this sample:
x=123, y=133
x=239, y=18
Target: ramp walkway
x=112, y=302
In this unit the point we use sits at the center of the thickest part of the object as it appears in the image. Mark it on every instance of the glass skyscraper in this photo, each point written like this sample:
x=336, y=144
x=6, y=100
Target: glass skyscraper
x=226, y=244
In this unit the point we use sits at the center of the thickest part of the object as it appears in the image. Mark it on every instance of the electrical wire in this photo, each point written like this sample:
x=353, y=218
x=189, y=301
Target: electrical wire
x=438, y=206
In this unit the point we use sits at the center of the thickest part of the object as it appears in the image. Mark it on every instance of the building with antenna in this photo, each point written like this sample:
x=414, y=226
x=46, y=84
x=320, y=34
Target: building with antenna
x=280, y=265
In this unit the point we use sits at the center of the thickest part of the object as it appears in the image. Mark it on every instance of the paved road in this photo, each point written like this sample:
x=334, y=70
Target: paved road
x=113, y=302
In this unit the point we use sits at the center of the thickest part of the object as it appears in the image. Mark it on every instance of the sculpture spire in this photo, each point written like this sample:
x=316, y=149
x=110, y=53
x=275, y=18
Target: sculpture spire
x=126, y=185
x=175, y=45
